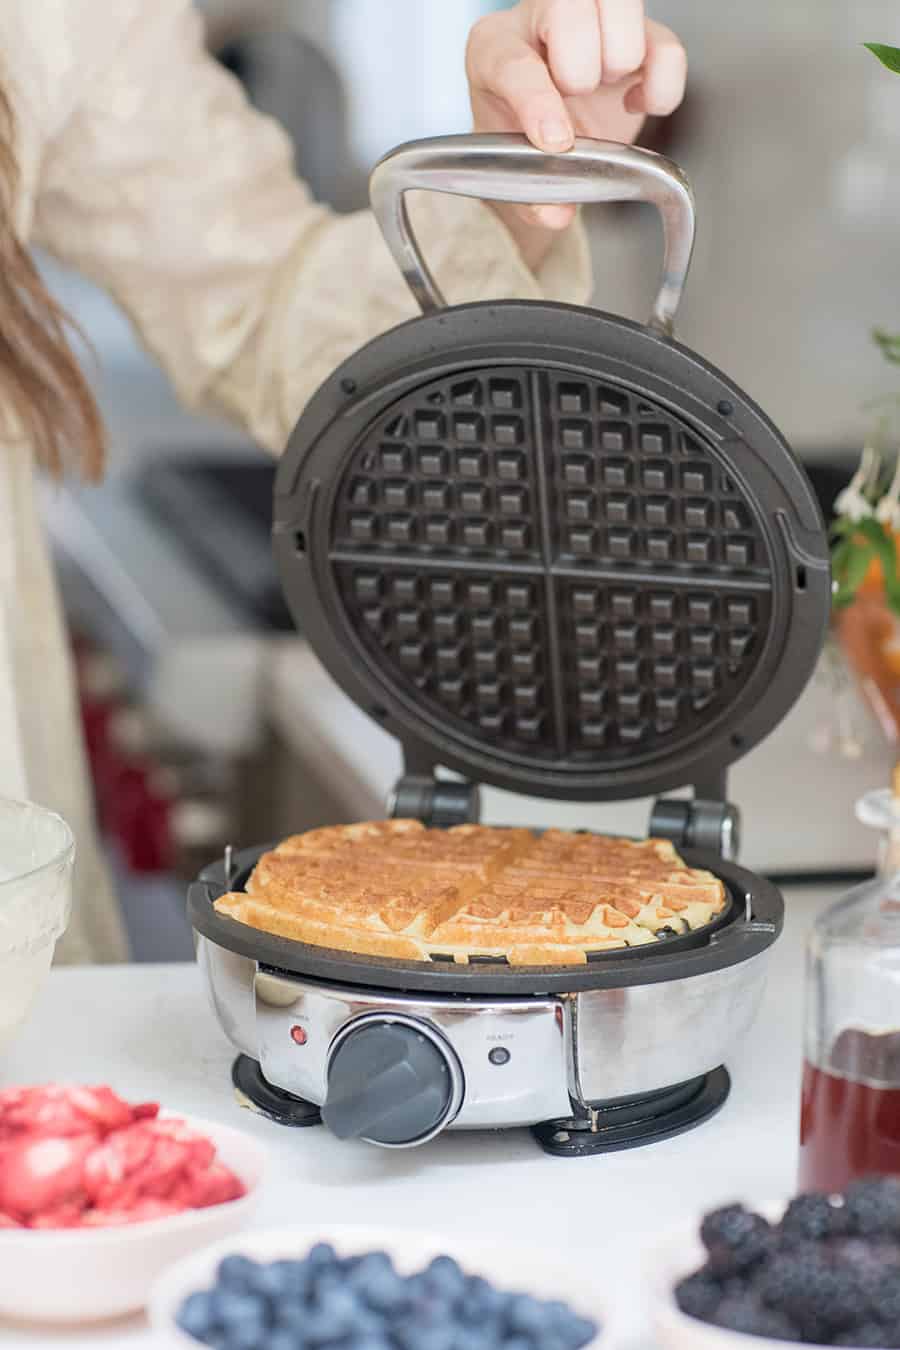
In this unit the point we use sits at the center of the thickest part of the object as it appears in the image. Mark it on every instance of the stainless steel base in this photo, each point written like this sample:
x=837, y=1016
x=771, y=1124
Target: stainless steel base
x=562, y=1052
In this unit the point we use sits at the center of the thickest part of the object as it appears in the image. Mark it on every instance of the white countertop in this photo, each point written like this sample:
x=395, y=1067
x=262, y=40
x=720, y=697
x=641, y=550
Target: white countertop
x=148, y=1031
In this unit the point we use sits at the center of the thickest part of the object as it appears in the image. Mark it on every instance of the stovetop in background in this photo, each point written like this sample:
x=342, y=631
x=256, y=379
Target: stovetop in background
x=221, y=513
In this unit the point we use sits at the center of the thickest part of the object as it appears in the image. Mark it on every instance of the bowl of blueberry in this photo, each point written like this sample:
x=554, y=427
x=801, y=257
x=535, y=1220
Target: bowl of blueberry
x=823, y=1271
x=373, y=1289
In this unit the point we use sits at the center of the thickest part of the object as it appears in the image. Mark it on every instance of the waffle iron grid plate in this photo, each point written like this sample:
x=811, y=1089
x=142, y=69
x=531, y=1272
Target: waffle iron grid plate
x=549, y=548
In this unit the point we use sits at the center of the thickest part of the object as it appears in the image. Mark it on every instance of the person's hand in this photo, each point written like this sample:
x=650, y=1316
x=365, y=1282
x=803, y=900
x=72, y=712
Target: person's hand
x=557, y=69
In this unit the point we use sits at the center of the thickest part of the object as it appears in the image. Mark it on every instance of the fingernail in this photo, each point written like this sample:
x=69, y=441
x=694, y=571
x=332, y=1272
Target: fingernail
x=555, y=134
x=551, y=217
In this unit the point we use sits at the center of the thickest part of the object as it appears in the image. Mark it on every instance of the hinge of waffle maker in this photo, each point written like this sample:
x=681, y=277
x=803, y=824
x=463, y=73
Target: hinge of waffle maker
x=436, y=802
x=707, y=823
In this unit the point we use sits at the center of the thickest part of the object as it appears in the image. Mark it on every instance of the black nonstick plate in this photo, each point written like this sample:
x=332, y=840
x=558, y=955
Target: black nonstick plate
x=548, y=548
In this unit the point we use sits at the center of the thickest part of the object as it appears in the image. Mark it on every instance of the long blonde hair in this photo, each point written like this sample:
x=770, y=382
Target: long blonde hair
x=41, y=383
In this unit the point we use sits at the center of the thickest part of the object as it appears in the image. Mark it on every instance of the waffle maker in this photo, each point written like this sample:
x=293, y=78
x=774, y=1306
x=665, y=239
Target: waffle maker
x=555, y=551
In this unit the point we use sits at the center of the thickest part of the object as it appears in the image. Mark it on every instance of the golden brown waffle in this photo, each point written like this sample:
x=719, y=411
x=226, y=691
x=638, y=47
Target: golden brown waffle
x=395, y=889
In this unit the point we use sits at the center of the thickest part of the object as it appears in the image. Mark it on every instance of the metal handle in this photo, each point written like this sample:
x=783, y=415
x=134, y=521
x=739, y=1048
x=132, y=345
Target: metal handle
x=510, y=169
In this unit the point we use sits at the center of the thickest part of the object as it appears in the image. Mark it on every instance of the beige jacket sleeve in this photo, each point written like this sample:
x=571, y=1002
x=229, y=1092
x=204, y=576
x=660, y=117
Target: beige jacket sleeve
x=162, y=185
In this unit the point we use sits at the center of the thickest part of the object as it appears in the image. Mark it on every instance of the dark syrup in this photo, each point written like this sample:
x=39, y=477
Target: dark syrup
x=850, y=1115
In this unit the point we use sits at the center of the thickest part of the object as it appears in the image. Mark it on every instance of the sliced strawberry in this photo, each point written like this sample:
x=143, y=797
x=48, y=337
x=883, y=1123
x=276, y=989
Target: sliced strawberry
x=142, y=1161
x=145, y=1111
x=215, y=1185
x=66, y=1216
x=42, y=1174
x=201, y=1150
x=7, y=1222
x=143, y=1212
x=59, y=1111
x=110, y=1164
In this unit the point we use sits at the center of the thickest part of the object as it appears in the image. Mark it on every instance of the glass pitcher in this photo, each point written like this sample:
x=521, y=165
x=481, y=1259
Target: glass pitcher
x=850, y=1115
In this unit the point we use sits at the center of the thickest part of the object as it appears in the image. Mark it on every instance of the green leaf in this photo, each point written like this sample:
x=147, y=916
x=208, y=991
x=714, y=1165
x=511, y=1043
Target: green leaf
x=857, y=567
x=888, y=344
x=850, y=561
x=886, y=551
x=888, y=56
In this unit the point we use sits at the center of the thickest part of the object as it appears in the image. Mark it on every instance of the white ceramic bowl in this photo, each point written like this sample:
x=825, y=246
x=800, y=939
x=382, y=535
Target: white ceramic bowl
x=36, y=857
x=506, y=1265
x=677, y=1256
x=74, y=1275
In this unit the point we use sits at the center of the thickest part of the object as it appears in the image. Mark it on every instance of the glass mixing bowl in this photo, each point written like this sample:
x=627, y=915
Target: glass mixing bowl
x=37, y=852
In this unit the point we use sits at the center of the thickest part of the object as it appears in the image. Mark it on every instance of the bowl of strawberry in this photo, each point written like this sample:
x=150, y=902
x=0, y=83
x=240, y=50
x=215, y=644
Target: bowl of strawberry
x=823, y=1271
x=98, y=1196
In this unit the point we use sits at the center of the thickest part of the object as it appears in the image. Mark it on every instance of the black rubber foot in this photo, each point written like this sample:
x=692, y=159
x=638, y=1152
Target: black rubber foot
x=254, y=1091
x=634, y=1121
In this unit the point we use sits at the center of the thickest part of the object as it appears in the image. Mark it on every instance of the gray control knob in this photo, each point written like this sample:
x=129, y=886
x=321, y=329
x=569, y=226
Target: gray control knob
x=391, y=1081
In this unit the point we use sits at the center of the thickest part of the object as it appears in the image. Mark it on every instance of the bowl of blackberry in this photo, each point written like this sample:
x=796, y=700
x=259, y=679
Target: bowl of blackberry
x=374, y=1289
x=824, y=1271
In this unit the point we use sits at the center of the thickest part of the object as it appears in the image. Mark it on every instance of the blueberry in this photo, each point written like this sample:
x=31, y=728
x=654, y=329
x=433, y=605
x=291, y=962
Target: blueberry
x=812, y=1218
x=331, y=1318
x=736, y=1239
x=444, y=1276
x=323, y=1282
x=556, y=1311
x=279, y=1279
x=518, y=1343
x=322, y=1254
x=476, y=1338
x=562, y=1322
x=413, y=1334
x=197, y=1316
x=480, y=1297
x=580, y=1332
x=747, y=1314
x=525, y=1315
x=245, y=1338
x=378, y=1284
x=282, y=1339
x=238, y=1310
x=699, y=1295
x=291, y=1319
x=424, y=1329
x=873, y=1207
x=237, y=1272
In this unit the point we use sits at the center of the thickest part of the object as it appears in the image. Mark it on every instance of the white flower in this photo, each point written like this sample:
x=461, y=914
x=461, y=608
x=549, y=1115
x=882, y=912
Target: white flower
x=852, y=504
x=888, y=509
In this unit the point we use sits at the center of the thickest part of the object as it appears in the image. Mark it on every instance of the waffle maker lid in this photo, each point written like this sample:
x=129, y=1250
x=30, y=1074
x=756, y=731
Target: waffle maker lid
x=548, y=548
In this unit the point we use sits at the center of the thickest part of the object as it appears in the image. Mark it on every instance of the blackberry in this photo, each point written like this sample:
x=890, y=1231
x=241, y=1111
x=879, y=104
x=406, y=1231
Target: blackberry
x=864, y=1335
x=885, y=1296
x=818, y=1294
x=748, y=1314
x=736, y=1239
x=699, y=1295
x=811, y=1218
x=873, y=1207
